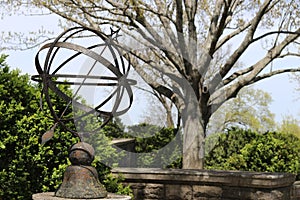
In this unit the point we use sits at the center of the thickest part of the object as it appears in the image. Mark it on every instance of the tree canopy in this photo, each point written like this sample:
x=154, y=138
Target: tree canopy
x=290, y=125
x=250, y=109
x=187, y=44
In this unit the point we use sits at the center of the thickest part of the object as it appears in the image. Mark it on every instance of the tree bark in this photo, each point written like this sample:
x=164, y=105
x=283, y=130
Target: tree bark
x=193, y=145
x=193, y=138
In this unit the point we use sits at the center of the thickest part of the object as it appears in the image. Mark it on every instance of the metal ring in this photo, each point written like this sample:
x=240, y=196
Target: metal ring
x=116, y=66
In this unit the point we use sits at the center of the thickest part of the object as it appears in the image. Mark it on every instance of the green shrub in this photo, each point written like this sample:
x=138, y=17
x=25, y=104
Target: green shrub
x=249, y=151
x=221, y=146
x=154, y=141
x=27, y=167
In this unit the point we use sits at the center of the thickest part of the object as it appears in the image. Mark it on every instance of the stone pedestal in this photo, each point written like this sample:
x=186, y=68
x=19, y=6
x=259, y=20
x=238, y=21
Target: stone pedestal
x=296, y=191
x=50, y=196
x=81, y=179
x=81, y=182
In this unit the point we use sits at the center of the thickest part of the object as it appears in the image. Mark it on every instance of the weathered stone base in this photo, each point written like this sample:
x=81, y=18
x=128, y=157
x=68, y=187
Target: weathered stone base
x=50, y=196
x=168, y=184
x=296, y=191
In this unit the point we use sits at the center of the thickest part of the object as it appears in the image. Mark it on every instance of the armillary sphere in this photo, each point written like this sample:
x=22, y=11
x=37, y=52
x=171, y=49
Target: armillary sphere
x=51, y=75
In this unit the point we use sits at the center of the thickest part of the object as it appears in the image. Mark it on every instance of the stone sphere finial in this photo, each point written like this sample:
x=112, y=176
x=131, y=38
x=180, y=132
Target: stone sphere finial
x=82, y=153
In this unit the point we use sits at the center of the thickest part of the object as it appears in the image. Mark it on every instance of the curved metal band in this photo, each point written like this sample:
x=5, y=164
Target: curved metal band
x=120, y=80
x=38, y=78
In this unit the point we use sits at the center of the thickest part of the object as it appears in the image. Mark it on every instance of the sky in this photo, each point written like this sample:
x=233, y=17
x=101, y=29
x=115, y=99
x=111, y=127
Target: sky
x=282, y=89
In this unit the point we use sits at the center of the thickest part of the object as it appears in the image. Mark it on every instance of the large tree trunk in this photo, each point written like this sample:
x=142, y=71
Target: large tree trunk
x=193, y=145
x=194, y=137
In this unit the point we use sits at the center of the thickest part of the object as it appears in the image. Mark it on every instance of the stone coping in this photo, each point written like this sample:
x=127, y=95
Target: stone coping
x=202, y=177
x=50, y=196
x=122, y=141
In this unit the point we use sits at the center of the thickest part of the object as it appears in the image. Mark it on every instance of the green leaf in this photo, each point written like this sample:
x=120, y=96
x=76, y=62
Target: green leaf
x=2, y=146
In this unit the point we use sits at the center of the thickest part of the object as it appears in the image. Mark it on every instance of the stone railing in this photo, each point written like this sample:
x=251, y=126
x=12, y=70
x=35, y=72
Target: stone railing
x=174, y=184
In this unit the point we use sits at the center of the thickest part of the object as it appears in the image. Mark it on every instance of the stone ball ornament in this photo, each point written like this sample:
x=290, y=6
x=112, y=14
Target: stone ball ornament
x=56, y=70
x=81, y=153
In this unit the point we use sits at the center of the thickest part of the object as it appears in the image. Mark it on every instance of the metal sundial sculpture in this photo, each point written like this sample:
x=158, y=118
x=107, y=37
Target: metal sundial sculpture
x=81, y=179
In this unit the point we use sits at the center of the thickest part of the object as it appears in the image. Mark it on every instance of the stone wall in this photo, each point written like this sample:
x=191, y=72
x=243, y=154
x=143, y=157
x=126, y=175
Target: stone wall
x=171, y=184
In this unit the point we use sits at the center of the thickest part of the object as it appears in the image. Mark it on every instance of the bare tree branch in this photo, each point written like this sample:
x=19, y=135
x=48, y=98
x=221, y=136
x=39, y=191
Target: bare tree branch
x=271, y=74
x=237, y=74
x=248, y=39
x=232, y=35
x=248, y=78
x=275, y=32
